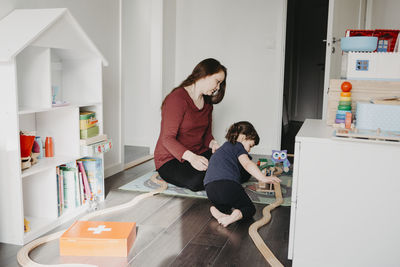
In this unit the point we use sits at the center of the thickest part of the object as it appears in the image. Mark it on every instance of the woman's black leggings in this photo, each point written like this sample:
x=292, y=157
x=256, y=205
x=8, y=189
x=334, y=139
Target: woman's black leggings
x=227, y=194
x=182, y=174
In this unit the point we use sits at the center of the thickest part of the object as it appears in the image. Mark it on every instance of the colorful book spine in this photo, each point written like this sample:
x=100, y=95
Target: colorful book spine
x=69, y=188
x=85, y=181
x=94, y=172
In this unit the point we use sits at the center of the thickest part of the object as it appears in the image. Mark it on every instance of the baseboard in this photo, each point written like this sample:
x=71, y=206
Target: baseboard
x=138, y=161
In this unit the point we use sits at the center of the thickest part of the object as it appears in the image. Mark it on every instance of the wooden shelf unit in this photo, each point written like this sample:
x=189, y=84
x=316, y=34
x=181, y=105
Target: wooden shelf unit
x=44, y=48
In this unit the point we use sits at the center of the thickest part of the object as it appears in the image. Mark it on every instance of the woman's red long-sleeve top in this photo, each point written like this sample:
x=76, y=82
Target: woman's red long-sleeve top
x=183, y=127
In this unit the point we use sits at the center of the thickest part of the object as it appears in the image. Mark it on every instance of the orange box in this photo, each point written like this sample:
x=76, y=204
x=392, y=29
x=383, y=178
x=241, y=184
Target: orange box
x=87, y=238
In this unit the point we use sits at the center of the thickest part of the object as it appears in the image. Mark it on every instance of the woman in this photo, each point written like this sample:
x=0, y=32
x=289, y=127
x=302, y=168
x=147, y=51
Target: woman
x=186, y=143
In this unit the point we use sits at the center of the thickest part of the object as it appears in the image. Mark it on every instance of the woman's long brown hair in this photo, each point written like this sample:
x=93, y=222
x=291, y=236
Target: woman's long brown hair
x=205, y=68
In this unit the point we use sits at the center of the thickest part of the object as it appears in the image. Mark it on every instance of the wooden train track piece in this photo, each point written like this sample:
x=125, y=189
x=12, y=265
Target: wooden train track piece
x=253, y=229
x=23, y=254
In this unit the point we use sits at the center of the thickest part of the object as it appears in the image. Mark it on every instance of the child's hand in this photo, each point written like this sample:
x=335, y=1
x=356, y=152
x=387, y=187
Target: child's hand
x=214, y=146
x=271, y=179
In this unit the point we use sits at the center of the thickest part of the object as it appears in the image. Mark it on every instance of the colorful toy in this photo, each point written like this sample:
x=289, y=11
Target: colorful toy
x=344, y=107
x=27, y=228
x=30, y=149
x=269, y=168
x=281, y=156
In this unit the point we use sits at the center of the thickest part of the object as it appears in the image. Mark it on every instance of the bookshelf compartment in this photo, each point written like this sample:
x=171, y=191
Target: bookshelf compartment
x=62, y=126
x=40, y=195
x=45, y=164
x=77, y=76
x=33, y=78
x=98, y=109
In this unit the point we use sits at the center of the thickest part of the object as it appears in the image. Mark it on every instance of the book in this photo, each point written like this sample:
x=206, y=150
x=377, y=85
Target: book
x=92, y=140
x=87, y=119
x=90, y=132
x=69, y=186
x=86, y=187
x=94, y=172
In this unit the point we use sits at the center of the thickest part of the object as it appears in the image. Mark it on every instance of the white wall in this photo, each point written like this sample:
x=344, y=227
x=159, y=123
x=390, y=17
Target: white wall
x=385, y=14
x=136, y=23
x=248, y=38
x=100, y=20
x=142, y=78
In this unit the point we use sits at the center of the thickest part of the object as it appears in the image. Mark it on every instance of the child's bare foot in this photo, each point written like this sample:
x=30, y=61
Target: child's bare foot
x=217, y=214
x=227, y=220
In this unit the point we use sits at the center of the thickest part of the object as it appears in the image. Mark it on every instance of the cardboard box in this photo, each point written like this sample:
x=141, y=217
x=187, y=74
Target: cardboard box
x=90, y=238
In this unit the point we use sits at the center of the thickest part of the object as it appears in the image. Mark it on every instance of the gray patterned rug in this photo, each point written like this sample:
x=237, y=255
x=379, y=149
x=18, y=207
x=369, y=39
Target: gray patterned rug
x=143, y=184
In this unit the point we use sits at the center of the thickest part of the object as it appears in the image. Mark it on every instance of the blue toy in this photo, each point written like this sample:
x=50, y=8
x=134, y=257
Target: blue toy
x=281, y=156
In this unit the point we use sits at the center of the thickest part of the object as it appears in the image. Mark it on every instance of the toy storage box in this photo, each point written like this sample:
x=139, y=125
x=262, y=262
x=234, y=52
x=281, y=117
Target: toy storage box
x=371, y=66
x=373, y=116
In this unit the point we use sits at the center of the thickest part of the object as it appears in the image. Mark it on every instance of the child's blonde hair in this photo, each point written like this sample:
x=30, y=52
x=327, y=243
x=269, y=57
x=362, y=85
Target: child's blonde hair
x=245, y=128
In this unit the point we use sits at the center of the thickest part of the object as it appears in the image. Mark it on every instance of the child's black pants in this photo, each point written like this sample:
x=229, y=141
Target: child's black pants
x=227, y=194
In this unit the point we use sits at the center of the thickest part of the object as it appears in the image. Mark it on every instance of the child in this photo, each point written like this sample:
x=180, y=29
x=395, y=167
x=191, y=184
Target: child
x=225, y=174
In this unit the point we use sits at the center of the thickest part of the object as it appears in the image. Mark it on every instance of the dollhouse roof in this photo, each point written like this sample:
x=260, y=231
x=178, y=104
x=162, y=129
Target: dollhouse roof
x=53, y=28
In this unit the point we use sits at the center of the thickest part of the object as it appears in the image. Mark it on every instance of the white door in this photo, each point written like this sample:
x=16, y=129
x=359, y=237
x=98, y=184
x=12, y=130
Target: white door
x=343, y=15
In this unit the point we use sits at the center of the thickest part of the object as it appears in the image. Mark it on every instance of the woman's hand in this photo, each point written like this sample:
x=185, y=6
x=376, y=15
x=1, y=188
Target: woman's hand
x=270, y=179
x=214, y=145
x=198, y=162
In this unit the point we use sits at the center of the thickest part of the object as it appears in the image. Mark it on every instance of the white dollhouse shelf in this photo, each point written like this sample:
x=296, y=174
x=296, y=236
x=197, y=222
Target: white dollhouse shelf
x=40, y=50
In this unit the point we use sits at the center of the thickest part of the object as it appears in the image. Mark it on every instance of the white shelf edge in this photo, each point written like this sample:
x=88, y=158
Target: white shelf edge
x=40, y=226
x=47, y=163
x=28, y=110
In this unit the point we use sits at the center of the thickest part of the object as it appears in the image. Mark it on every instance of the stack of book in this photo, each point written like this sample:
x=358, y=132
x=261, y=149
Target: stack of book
x=89, y=132
x=78, y=182
x=88, y=124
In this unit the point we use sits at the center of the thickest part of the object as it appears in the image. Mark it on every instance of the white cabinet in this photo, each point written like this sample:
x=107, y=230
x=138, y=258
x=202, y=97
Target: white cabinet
x=345, y=200
x=40, y=49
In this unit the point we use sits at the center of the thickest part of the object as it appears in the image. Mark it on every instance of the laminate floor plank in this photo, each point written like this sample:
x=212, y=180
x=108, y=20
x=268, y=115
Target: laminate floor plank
x=8, y=254
x=240, y=249
x=138, y=213
x=166, y=247
x=213, y=234
x=196, y=255
x=168, y=213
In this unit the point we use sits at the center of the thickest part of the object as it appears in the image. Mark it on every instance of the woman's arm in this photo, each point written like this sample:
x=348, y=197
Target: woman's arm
x=252, y=168
x=173, y=113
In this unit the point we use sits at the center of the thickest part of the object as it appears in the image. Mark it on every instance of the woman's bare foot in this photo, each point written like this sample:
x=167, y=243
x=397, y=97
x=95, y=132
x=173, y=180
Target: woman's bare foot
x=227, y=220
x=217, y=214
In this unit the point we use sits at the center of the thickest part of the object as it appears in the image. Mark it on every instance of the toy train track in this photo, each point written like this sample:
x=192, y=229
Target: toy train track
x=253, y=229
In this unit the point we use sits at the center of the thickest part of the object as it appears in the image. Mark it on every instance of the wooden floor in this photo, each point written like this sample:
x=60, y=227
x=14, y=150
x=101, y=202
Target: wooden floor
x=132, y=153
x=173, y=231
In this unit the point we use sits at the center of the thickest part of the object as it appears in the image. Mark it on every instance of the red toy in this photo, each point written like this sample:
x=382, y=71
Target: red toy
x=346, y=86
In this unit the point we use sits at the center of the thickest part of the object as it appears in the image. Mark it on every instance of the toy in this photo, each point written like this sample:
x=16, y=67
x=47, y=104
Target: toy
x=27, y=228
x=30, y=149
x=281, y=156
x=253, y=229
x=269, y=168
x=344, y=107
x=346, y=87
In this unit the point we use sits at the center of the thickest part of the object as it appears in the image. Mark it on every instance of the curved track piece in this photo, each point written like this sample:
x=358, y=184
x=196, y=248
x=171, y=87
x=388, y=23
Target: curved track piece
x=23, y=254
x=253, y=229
